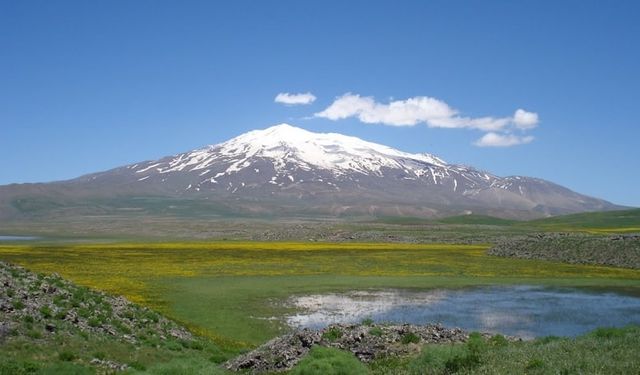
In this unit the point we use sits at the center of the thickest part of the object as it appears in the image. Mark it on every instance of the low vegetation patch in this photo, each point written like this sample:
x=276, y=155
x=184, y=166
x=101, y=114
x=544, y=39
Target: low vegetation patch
x=604, y=351
x=329, y=361
x=332, y=334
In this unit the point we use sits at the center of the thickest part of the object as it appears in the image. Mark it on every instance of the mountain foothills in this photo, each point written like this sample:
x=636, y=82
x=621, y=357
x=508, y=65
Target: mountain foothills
x=290, y=172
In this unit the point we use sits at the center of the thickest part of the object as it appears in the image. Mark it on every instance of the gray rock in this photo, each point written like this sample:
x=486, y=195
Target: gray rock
x=365, y=342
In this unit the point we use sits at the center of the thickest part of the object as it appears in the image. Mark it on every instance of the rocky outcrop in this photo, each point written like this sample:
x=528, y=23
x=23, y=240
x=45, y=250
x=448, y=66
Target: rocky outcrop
x=614, y=250
x=36, y=305
x=367, y=342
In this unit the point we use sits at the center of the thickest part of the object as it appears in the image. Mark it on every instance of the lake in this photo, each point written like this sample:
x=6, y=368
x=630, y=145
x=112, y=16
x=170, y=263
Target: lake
x=524, y=311
x=17, y=238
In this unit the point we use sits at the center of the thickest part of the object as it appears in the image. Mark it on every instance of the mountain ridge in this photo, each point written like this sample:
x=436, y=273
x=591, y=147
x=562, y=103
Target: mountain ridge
x=286, y=170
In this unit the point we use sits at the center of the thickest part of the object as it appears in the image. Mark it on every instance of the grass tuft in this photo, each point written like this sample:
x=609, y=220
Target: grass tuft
x=329, y=361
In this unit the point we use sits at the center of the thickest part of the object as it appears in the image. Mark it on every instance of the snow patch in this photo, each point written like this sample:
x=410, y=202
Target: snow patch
x=147, y=168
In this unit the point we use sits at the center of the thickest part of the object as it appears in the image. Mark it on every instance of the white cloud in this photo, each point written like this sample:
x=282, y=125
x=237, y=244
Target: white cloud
x=434, y=113
x=525, y=120
x=420, y=109
x=295, y=99
x=502, y=140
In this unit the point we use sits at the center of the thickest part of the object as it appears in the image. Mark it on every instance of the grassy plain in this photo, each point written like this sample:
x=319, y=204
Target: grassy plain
x=228, y=290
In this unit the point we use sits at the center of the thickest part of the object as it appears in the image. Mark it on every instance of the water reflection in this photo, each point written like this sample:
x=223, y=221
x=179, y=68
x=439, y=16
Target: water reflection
x=525, y=311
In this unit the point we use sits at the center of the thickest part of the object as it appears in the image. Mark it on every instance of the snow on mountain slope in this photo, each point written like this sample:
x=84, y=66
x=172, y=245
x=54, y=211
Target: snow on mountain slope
x=284, y=154
x=335, y=152
x=285, y=167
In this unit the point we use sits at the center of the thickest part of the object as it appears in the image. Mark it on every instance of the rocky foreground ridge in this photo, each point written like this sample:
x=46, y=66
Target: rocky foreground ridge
x=366, y=341
x=37, y=306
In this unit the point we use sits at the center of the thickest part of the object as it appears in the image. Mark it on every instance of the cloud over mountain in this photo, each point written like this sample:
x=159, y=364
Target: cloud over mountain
x=434, y=113
x=295, y=99
x=502, y=140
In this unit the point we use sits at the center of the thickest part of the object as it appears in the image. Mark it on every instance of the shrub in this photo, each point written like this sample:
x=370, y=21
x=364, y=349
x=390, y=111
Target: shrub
x=66, y=356
x=18, y=305
x=172, y=345
x=332, y=334
x=608, y=333
x=471, y=357
x=195, y=345
x=34, y=334
x=59, y=301
x=100, y=355
x=329, y=361
x=45, y=311
x=121, y=327
x=499, y=341
x=66, y=368
x=460, y=362
x=151, y=316
x=476, y=347
x=80, y=294
x=534, y=363
x=376, y=331
x=18, y=367
x=137, y=366
x=183, y=366
x=28, y=319
x=29, y=367
x=93, y=322
x=450, y=358
x=547, y=339
x=367, y=322
x=410, y=338
x=107, y=309
x=218, y=357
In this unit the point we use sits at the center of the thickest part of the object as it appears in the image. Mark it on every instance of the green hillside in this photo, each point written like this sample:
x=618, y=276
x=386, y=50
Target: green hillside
x=608, y=221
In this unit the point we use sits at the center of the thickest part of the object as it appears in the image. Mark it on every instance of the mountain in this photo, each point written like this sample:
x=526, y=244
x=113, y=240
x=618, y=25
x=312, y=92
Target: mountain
x=288, y=171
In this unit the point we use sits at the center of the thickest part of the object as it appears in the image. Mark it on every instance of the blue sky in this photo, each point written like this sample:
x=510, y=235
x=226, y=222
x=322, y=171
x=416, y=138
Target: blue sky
x=88, y=86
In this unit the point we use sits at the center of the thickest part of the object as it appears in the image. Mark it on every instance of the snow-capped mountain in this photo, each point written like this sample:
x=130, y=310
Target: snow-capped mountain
x=291, y=171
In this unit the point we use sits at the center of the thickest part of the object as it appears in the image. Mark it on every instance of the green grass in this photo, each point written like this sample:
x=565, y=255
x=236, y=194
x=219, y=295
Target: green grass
x=476, y=220
x=606, y=222
x=68, y=352
x=596, y=222
x=599, y=352
x=329, y=361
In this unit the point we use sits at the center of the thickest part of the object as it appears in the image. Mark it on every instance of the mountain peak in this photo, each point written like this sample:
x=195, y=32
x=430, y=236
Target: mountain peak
x=286, y=146
x=285, y=167
x=325, y=150
x=278, y=133
x=283, y=127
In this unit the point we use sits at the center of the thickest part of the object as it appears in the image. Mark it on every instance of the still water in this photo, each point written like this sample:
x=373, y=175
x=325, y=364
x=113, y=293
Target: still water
x=17, y=238
x=525, y=311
